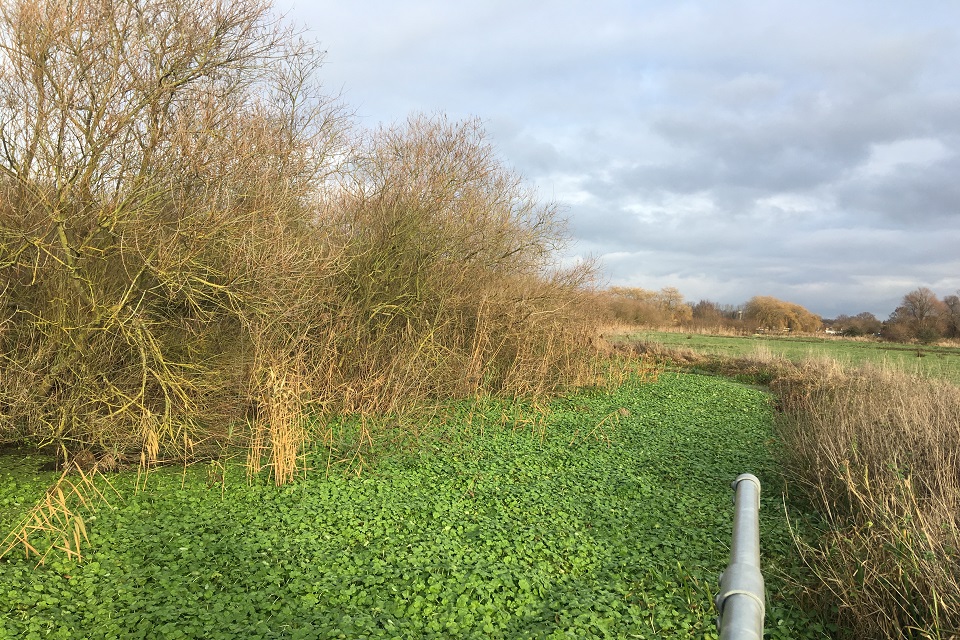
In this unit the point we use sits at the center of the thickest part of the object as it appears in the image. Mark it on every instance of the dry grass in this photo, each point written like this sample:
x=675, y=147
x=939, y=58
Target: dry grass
x=660, y=353
x=278, y=432
x=715, y=330
x=878, y=453
x=57, y=520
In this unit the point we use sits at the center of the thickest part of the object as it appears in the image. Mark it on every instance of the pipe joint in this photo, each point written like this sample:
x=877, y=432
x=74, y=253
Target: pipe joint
x=741, y=579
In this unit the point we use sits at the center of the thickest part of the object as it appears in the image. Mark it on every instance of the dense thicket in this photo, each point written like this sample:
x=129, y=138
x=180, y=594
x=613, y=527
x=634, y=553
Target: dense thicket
x=194, y=242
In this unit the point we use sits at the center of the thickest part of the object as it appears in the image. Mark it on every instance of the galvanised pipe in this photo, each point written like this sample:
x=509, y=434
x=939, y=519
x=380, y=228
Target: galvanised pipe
x=741, y=598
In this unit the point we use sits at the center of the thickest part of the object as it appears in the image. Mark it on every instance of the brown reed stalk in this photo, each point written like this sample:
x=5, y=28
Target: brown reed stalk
x=57, y=520
x=876, y=451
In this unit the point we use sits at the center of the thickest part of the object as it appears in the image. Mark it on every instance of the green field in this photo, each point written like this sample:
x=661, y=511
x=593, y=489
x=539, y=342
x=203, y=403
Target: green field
x=602, y=515
x=940, y=362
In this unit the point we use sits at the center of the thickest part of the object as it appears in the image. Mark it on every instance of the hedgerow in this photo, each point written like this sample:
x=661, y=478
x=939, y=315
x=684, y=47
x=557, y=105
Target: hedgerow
x=198, y=248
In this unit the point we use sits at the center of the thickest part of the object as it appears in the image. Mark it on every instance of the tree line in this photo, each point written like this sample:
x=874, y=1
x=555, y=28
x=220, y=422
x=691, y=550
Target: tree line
x=921, y=316
x=667, y=307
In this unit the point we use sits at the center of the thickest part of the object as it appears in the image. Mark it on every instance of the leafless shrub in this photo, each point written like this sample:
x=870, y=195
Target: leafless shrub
x=158, y=165
x=195, y=244
x=448, y=272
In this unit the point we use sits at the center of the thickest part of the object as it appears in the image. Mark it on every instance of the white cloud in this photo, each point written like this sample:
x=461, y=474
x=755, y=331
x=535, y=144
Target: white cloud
x=886, y=158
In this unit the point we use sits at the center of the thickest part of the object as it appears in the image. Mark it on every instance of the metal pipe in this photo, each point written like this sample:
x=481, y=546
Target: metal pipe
x=740, y=602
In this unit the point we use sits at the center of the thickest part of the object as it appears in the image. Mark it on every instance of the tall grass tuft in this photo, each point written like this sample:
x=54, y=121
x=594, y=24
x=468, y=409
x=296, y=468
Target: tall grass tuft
x=278, y=432
x=57, y=520
x=877, y=451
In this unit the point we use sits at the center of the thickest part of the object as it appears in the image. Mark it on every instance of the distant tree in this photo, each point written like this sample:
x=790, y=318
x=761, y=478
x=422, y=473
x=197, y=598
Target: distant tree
x=707, y=312
x=862, y=324
x=711, y=315
x=838, y=324
x=923, y=306
x=952, y=317
x=766, y=312
x=868, y=323
x=635, y=305
x=670, y=300
x=896, y=331
x=921, y=316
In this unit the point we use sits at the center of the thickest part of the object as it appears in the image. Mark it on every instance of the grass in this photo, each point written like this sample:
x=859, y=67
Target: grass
x=602, y=514
x=933, y=361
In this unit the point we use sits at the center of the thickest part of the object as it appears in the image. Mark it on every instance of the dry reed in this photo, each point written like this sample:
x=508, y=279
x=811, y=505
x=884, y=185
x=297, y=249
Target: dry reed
x=57, y=520
x=878, y=453
x=278, y=431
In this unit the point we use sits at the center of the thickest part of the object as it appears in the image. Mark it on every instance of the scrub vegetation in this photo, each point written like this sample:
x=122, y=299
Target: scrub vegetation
x=199, y=250
x=873, y=450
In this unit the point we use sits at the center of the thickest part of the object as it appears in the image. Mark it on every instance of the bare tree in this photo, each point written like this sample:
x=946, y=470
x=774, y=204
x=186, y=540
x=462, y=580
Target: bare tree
x=951, y=316
x=451, y=254
x=707, y=311
x=922, y=314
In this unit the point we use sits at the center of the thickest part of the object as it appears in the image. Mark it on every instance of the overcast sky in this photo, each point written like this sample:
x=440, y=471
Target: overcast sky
x=804, y=150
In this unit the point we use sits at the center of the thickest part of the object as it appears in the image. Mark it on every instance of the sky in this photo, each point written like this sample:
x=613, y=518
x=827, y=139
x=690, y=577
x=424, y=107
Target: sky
x=808, y=151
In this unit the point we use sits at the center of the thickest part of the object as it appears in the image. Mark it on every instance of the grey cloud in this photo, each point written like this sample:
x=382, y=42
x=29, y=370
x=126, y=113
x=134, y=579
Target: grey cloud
x=909, y=195
x=719, y=148
x=526, y=151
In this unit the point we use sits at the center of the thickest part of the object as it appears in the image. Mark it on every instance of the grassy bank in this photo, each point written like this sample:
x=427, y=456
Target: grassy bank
x=939, y=362
x=875, y=450
x=602, y=514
